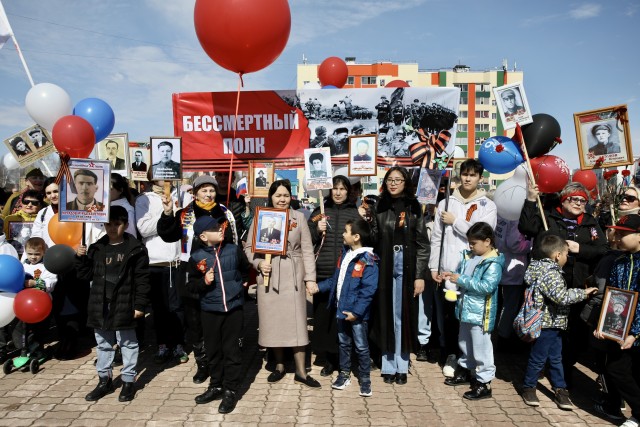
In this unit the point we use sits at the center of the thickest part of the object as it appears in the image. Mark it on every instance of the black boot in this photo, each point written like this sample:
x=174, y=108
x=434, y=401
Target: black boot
x=202, y=373
x=211, y=394
x=460, y=376
x=421, y=354
x=127, y=393
x=229, y=402
x=478, y=391
x=105, y=386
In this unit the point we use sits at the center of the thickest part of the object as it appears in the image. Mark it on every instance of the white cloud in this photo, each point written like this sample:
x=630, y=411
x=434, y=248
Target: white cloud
x=631, y=10
x=585, y=11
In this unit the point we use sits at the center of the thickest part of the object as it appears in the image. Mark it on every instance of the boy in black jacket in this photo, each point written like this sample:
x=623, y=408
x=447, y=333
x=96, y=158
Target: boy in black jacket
x=216, y=272
x=118, y=264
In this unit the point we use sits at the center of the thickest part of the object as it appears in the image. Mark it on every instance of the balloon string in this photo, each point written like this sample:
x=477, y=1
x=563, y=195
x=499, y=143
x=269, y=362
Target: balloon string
x=235, y=128
x=64, y=168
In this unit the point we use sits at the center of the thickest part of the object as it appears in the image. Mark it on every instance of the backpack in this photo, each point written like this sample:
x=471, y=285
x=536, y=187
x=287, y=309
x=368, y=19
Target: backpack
x=528, y=321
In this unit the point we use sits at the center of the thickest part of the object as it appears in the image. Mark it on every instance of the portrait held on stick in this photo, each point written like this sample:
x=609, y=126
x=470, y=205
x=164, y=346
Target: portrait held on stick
x=363, y=151
x=140, y=156
x=603, y=137
x=166, y=158
x=317, y=171
x=115, y=149
x=270, y=234
x=85, y=198
x=512, y=104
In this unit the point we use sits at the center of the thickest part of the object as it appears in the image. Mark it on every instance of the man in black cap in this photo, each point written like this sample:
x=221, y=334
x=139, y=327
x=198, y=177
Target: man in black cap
x=34, y=180
x=261, y=181
x=317, y=170
x=38, y=138
x=338, y=141
x=320, y=138
x=357, y=129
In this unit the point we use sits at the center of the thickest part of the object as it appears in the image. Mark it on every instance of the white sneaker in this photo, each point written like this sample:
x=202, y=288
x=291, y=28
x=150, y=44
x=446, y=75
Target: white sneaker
x=631, y=422
x=450, y=366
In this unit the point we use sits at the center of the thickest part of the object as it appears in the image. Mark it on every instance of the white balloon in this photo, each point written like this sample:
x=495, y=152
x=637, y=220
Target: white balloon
x=509, y=198
x=46, y=103
x=6, y=308
x=521, y=173
x=10, y=162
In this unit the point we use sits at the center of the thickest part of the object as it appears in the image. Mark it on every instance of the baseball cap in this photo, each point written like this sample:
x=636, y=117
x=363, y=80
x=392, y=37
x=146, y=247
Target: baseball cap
x=204, y=179
x=628, y=223
x=207, y=223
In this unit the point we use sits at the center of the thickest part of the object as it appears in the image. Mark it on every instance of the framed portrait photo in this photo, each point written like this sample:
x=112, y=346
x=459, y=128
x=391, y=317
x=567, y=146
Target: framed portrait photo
x=363, y=150
x=317, y=170
x=19, y=233
x=603, y=137
x=115, y=149
x=271, y=231
x=140, y=156
x=85, y=198
x=261, y=176
x=512, y=104
x=166, y=158
x=618, y=308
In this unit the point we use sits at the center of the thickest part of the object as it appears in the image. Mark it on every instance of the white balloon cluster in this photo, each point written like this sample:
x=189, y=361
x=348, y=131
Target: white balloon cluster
x=511, y=194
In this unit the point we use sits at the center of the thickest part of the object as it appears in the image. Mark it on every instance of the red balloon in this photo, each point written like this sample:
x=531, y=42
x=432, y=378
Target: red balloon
x=587, y=178
x=32, y=305
x=242, y=36
x=333, y=72
x=550, y=172
x=397, y=83
x=74, y=136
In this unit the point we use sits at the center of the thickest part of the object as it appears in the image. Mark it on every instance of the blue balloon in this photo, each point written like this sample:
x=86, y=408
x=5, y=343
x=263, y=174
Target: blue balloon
x=99, y=114
x=500, y=154
x=12, y=277
x=329, y=87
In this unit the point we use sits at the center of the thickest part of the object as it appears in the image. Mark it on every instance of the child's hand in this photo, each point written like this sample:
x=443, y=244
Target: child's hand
x=82, y=250
x=208, y=277
x=350, y=317
x=312, y=288
x=137, y=314
x=29, y=283
x=591, y=291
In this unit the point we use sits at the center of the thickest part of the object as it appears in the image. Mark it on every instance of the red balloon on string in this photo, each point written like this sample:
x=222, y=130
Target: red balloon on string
x=32, y=305
x=397, y=83
x=333, y=72
x=242, y=36
x=74, y=136
x=550, y=172
x=587, y=178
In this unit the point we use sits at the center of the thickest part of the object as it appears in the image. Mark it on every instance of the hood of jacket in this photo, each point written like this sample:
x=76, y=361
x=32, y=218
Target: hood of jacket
x=538, y=268
x=480, y=193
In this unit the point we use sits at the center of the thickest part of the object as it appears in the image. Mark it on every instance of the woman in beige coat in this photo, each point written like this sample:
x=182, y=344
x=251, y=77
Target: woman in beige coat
x=282, y=306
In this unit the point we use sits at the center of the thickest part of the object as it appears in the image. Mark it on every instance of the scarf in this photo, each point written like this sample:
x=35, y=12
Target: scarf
x=158, y=189
x=206, y=206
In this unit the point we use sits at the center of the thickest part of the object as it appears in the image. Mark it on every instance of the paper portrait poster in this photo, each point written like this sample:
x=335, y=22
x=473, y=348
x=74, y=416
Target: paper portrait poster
x=166, y=157
x=140, y=156
x=512, y=104
x=115, y=149
x=317, y=171
x=85, y=198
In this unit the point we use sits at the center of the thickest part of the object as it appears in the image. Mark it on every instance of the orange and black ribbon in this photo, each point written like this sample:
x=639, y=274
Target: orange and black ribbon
x=64, y=168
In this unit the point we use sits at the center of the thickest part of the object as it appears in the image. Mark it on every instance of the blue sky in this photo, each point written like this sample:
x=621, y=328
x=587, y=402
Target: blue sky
x=576, y=55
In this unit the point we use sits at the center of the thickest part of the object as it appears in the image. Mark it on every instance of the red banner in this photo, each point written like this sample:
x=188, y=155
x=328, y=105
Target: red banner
x=265, y=125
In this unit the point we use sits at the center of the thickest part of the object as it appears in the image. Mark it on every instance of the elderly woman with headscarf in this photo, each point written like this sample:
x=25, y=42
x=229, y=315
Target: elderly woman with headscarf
x=587, y=244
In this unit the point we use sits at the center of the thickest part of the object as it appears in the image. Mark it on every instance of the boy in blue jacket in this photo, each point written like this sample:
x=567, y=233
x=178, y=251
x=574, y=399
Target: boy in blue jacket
x=216, y=271
x=352, y=288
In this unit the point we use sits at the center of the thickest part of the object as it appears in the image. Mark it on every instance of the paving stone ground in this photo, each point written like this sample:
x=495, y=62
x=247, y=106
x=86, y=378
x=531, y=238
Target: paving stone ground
x=165, y=397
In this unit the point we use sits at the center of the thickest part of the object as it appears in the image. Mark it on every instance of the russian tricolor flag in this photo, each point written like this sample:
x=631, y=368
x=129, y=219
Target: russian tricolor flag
x=241, y=188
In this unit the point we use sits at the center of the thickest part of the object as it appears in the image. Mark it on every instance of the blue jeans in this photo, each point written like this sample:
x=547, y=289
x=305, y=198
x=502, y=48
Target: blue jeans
x=477, y=352
x=128, y=343
x=427, y=302
x=398, y=361
x=548, y=346
x=354, y=333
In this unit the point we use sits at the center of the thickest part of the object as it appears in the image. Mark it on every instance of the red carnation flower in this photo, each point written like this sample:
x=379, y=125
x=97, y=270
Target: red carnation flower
x=499, y=148
x=626, y=172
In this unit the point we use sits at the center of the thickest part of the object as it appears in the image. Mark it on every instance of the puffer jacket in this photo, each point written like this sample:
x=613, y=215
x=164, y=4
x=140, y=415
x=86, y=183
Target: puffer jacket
x=551, y=294
x=625, y=274
x=478, y=300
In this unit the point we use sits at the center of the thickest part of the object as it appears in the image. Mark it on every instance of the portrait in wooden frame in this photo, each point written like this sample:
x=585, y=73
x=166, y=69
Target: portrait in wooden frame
x=618, y=309
x=603, y=137
x=271, y=231
x=363, y=151
x=261, y=176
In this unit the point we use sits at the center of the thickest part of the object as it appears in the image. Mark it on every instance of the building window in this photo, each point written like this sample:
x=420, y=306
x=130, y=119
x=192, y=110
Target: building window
x=305, y=82
x=482, y=127
x=462, y=127
x=482, y=101
x=464, y=100
x=483, y=87
x=463, y=114
x=464, y=87
x=350, y=80
x=461, y=140
x=494, y=116
x=493, y=102
x=482, y=114
x=494, y=130
x=368, y=80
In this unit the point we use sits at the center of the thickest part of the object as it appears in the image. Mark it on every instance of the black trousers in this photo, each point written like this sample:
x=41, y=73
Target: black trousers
x=193, y=324
x=222, y=332
x=623, y=366
x=168, y=315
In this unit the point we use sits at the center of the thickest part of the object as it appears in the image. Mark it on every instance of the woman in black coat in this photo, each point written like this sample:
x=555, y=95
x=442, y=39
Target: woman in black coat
x=403, y=247
x=326, y=234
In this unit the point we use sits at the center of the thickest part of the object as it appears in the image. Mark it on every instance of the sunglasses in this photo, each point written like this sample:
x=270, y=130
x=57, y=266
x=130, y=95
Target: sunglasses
x=577, y=200
x=30, y=202
x=628, y=198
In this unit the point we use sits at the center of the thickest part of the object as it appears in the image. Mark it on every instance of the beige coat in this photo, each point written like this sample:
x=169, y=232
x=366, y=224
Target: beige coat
x=282, y=306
